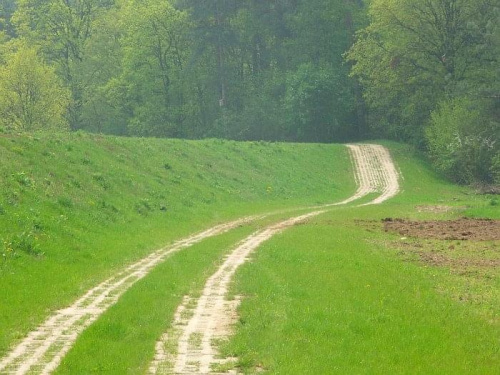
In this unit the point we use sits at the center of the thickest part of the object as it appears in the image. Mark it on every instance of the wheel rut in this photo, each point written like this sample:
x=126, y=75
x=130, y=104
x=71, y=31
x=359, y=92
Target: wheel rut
x=190, y=346
x=43, y=349
x=199, y=323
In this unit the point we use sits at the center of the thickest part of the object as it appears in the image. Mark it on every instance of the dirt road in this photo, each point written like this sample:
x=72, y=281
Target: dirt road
x=42, y=350
x=212, y=315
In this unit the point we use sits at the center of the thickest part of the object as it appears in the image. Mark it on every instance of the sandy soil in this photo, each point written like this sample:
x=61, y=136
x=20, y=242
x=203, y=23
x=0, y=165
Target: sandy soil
x=212, y=316
x=190, y=346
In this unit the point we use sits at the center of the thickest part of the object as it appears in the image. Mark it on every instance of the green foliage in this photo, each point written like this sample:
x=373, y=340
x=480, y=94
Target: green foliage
x=23, y=179
x=412, y=54
x=462, y=142
x=319, y=104
x=191, y=69
x=31, y=96
x=415, y=56
x=26, y=242
x=155, y=56
x=61, y=30
x=495, y=168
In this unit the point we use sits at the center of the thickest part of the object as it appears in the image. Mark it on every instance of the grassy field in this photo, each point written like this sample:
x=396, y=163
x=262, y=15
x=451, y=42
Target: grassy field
x=75, y=208
x=340, y=296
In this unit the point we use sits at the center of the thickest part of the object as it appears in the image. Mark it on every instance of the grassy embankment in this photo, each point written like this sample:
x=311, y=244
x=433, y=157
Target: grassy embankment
x=341, y=296
x=335, y=296
x=76, y=208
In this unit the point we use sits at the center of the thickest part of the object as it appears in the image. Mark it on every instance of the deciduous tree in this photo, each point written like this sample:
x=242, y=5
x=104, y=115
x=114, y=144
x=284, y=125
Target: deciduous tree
x=31, y=95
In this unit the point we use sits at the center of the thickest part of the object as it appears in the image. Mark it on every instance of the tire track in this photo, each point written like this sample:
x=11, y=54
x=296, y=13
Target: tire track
x=43, y=349
x=197, y=330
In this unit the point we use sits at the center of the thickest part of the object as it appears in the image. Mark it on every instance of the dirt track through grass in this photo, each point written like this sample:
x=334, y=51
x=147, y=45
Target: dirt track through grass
x=43, y=349
x=196, y=337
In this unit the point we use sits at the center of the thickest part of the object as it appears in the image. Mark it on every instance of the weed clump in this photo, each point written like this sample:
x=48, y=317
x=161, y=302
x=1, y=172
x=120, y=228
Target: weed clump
x=7, y=251
x=101, y=180
x=143, y=207
x=25, y=242
x=65, y=202
x=23, y=179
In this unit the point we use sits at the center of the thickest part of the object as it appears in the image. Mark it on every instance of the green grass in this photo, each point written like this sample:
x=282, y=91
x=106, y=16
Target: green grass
x=324, y=299
x=75, y=208
x=338, y=296
x=122, y=341
x=335, y=296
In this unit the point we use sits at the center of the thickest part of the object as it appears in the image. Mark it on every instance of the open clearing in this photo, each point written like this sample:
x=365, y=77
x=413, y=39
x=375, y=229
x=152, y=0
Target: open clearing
x=213, y=314
x=339, y=275
x=43, y=349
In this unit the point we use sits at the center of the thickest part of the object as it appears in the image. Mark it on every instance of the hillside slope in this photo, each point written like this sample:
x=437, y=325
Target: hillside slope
x=75, y=207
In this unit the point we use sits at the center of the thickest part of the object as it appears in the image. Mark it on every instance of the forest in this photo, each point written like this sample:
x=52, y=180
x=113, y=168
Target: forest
x=423, y=72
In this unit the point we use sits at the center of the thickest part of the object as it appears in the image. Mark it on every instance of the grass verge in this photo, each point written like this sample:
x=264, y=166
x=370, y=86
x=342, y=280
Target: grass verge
x=325, y=298
x=76, y=208
x=339, y=295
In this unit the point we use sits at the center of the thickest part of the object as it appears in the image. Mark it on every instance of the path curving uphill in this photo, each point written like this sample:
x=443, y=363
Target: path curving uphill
x=43, y=349
x=213, y=315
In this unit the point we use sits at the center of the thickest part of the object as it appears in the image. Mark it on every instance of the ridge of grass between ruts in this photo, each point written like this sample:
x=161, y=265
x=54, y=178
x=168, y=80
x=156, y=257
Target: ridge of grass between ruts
x=336, y=296
x=122, y=340
x=75, y=208
x=340, y=221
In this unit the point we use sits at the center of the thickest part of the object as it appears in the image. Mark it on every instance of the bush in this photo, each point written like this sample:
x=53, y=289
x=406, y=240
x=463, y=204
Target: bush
x=462, y=141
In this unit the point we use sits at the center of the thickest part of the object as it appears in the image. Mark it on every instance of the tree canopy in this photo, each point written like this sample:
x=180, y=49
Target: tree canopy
x=423, y=64
x=269, y=70
x=286, y=70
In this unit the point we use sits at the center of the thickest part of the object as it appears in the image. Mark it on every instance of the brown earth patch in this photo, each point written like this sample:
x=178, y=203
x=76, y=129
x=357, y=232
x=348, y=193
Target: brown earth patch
x=460, y=229
x=435, y=259
x=488, y=189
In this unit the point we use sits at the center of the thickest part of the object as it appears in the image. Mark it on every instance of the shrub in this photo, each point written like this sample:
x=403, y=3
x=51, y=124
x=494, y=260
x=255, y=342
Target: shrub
x=462, y=141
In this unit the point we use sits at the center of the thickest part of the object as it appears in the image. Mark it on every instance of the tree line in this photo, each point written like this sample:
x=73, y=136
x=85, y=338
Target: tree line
x=425, y=72
x=254, y=69
x=430, y=74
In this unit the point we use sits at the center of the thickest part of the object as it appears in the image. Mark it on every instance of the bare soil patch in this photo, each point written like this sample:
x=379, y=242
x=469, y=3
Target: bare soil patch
x=436, y=259
x=460, y=229
x=438, y=209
